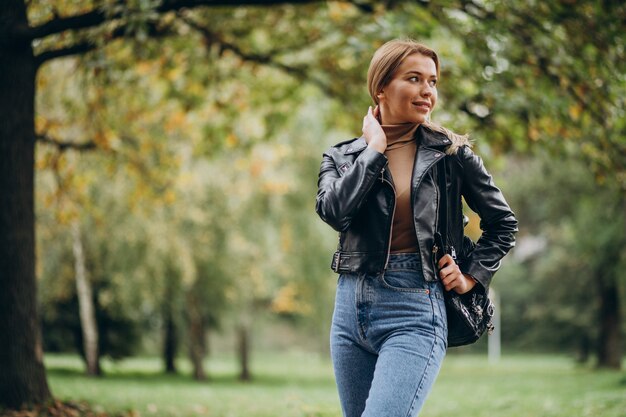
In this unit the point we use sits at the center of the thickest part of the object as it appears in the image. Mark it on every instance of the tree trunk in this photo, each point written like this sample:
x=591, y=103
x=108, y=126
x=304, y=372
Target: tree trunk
x=610, y=341
x=243, y=342
x=197, y=340
x=610, y=338
x=87, y=311
x=170, y=344
x=170, y=334
x=584, y=349
x=22, y=374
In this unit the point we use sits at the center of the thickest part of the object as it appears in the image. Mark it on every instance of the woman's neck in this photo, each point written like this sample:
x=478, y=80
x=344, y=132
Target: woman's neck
x=400, y=132
x=397, y=130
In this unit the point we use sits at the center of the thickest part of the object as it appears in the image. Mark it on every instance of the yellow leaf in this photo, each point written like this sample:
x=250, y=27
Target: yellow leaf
x=42, y=81
x=288, y=301
x=169, y=197
x=231, y=140
x=533, y=133
x=256, y=167
x=103, y=138
x=276, y=187
x=175, y=121
x=174, y=73
x=143, y=68
x=338, y=10
x=574, y=111
x=286, y=237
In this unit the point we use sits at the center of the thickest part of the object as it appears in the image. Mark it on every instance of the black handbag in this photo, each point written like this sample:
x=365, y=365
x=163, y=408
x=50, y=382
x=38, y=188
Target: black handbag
x=470, y=314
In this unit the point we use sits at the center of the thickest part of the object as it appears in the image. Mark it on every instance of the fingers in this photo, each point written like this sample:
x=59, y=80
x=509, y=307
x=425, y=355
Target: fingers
x=453, y=279
x=374, y=113
x=449, y=282
x=368, y=119
x=369, y=113
x=373, y=132
x=445, y=260
x=450, y=274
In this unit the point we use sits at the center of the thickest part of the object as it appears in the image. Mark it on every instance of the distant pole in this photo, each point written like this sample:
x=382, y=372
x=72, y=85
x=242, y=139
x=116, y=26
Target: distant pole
x=494, y=339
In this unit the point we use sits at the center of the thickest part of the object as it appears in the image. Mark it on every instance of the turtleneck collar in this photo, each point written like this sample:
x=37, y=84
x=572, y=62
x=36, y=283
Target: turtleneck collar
x=399, y=134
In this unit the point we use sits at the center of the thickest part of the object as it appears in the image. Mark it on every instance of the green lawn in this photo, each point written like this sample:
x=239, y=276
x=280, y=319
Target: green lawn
x=299, y=385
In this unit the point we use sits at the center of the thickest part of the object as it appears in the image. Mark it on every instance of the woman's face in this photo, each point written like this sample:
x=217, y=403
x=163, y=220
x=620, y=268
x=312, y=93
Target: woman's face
x=412, y=93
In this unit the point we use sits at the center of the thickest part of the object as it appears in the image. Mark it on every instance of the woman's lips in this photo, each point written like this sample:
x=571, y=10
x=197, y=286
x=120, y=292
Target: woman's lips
x=422, y=106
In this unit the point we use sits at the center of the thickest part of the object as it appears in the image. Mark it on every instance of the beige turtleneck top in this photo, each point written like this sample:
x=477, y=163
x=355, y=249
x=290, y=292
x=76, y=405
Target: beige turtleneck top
x=401, y=149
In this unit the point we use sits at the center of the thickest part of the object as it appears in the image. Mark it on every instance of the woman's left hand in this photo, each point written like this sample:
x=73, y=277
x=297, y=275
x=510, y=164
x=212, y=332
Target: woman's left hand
x=452, y=278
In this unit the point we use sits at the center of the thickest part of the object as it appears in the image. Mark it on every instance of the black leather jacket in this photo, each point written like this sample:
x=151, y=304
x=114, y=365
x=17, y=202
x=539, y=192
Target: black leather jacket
x=356, y=197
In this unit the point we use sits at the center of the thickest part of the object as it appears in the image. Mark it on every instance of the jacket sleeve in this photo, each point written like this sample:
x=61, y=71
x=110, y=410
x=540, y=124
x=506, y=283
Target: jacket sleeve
x=497, y=221
x=339, y=197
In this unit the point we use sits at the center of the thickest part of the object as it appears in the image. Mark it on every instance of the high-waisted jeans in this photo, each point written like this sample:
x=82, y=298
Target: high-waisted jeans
x=388, y=339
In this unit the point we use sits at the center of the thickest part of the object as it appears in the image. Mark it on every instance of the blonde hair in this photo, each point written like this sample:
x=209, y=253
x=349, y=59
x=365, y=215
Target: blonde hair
x=386, y=61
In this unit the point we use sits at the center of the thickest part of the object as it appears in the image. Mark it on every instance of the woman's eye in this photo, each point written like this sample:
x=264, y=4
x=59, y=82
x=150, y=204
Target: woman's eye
x=432, y=82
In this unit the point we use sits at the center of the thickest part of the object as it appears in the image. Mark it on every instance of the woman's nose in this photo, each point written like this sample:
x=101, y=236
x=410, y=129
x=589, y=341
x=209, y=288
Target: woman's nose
x=426, y=91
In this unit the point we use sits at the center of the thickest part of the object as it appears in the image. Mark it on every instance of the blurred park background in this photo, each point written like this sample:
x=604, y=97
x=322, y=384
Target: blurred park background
x=160, y=250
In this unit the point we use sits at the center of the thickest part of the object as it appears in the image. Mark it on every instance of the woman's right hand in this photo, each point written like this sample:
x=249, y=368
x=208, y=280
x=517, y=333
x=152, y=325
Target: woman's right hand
x=373, y=132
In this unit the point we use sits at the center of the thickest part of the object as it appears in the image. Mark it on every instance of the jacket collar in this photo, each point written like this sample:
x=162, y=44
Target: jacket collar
x=430, y=138
x=424, y=136
x=356, y=146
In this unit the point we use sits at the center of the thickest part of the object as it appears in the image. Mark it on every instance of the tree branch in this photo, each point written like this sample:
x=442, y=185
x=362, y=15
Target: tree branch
x=98, y=16
x=61, y=24
x=61, y=52
x=85, y=46
x=64, y=145
x=297, y=72
x=364, y=7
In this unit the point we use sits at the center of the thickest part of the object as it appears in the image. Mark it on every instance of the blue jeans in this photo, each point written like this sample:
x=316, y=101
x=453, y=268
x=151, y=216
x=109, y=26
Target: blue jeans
x=388, y=339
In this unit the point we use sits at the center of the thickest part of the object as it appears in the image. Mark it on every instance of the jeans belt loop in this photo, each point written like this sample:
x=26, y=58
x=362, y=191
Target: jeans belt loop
x=337, y=259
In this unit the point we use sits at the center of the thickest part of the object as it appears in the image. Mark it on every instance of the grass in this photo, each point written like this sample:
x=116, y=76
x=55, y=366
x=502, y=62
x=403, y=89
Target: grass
x=297, y=384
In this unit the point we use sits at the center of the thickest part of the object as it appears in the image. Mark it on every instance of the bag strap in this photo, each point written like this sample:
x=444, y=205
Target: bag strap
x=444, y=208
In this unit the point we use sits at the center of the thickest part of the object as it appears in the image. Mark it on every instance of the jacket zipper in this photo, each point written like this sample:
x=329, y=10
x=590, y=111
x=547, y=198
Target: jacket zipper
x=449, y=246
x=435, y=247
x=393, y=212
x=412, y=202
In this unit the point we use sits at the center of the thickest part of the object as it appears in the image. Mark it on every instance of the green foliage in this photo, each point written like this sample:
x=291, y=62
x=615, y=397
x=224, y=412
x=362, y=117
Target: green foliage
x=544, y=82
x=551, y=294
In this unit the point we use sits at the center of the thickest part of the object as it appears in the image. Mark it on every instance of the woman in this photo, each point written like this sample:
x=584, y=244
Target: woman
x=388, y=334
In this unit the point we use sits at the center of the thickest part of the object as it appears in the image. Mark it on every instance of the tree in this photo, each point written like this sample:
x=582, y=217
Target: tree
x=110, y=241
x=23, y=377
x=541, y=81
x=86, y=304
x=557, y=298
